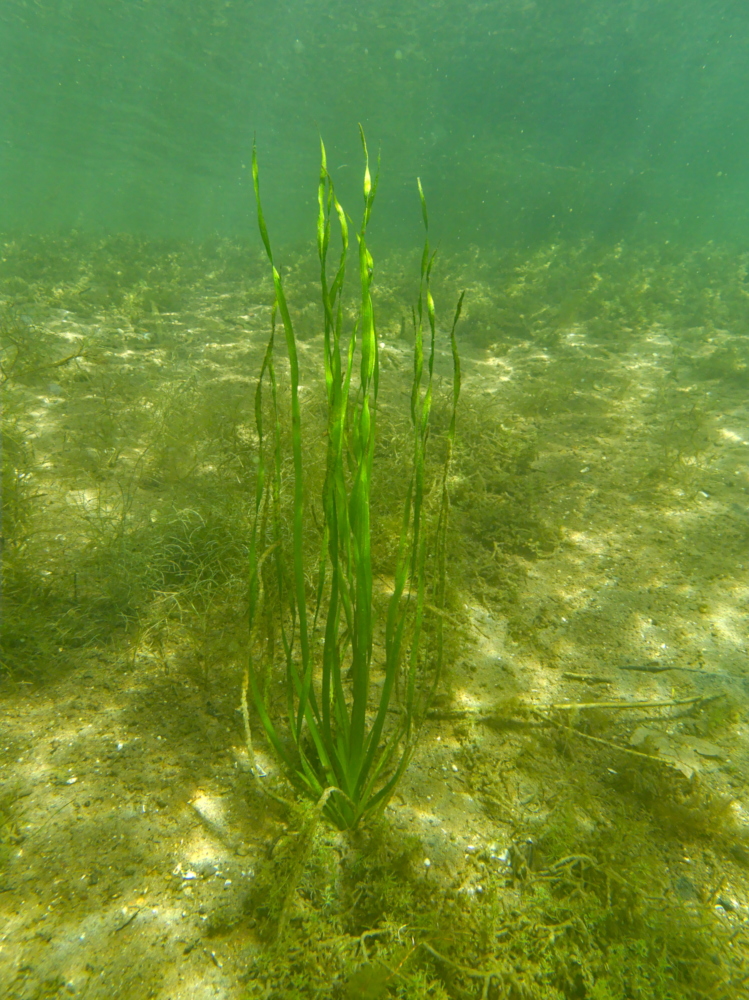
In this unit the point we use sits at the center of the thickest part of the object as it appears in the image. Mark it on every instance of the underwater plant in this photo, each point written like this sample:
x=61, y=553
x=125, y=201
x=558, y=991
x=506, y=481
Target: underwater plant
x=345, y=738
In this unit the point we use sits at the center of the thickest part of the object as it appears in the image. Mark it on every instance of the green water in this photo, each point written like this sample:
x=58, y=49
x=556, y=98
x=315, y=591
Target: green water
x=524, y=119
x=535, y=589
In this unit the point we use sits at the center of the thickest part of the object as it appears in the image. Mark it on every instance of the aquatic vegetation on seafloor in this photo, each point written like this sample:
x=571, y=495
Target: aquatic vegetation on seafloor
x=340, y=740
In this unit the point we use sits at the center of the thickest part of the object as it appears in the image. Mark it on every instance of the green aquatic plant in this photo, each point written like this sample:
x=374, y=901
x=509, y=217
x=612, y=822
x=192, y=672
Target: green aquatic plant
x=342, y=730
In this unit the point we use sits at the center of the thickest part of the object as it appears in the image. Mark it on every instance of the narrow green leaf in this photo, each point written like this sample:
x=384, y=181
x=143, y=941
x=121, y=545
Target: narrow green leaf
x=423, y=201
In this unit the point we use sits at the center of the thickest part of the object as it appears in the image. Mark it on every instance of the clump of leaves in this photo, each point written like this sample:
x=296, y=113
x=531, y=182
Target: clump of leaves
x=339, y=732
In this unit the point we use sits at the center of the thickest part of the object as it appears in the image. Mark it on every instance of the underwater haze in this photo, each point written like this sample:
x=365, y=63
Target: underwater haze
x=374, y=611
x=525, y=118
